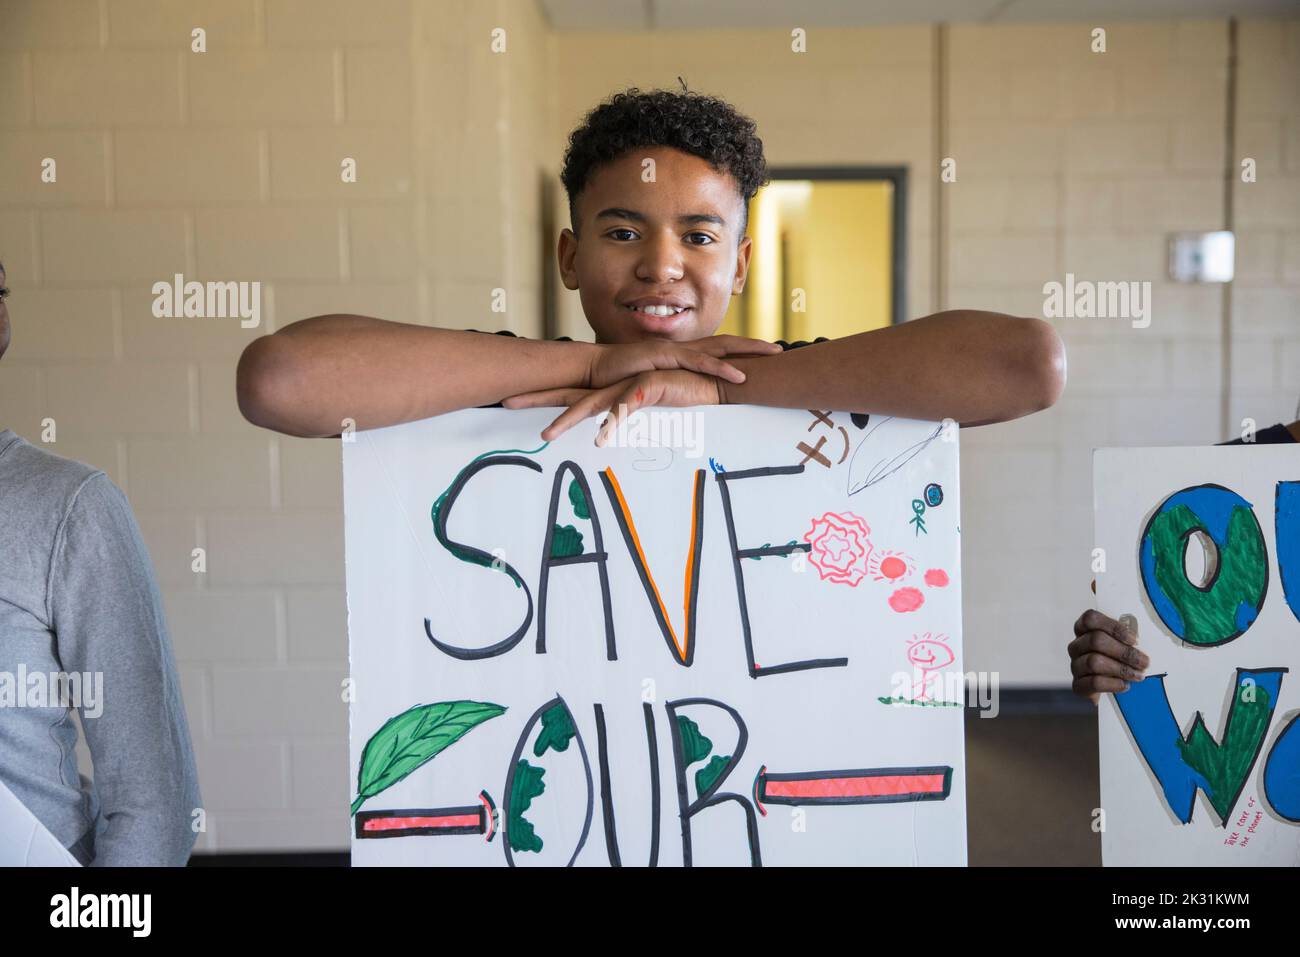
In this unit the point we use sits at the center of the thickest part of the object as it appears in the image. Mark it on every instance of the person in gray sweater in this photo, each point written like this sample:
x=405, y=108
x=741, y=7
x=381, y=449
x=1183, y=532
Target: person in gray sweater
x=82, y=625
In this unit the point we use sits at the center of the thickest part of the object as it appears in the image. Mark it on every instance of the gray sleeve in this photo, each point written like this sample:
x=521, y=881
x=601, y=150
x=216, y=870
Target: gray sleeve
x=108, y=619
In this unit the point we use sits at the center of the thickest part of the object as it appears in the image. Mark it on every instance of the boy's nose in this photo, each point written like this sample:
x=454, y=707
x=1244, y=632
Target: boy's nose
x=660, y=261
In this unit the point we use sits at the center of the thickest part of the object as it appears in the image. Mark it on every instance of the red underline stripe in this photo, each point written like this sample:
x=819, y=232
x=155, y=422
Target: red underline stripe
x=402, y=823
x=873, y=786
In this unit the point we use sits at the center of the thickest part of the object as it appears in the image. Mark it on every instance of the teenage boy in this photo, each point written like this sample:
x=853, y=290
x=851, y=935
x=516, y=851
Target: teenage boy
x=655, y=260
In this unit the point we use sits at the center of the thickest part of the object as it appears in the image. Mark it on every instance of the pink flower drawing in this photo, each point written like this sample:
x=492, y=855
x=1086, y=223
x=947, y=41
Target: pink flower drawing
x=839, y=547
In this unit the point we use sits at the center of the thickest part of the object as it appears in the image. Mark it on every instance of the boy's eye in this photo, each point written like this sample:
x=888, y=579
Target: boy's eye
x=694, y=239
x=4, y=294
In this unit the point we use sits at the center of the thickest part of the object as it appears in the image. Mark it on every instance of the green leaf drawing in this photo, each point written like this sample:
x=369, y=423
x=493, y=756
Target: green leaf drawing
x=919, y=703
x=578, y=500
x=706, y=775
x=528, y=785
x=565, y=541
x=695, y=746
x=759, y=558
x=557, y=730
x=407, y=741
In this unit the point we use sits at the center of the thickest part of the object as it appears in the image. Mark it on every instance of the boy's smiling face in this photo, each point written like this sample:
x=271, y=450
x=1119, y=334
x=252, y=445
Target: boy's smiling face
x=674, y=241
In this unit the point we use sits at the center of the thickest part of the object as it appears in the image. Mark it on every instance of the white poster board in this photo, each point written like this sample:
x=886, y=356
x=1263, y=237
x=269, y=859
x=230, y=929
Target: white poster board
x=510, y=710
x=1202, y=546
x=24, y=840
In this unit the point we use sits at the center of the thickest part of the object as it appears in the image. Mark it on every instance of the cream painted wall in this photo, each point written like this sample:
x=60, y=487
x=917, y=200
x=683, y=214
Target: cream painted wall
x=226, y=165
x=1072, y=161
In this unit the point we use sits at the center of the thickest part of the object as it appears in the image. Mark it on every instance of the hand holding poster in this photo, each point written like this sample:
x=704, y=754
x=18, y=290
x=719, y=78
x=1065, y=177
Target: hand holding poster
x=1200, y=761
x=736, y=640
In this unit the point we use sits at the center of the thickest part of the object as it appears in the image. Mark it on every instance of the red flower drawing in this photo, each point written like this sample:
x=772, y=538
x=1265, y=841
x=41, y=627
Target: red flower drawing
x=840, y=547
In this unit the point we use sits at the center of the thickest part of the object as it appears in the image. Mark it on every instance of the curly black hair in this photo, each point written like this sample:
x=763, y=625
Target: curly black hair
x=695, y=123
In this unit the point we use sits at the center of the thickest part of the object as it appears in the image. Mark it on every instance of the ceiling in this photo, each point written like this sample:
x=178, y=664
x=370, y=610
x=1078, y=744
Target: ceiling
x=634, y=15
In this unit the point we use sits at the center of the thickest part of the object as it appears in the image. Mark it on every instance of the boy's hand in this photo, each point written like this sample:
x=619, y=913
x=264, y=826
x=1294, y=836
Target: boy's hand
x=1104, y=655
x=614, y=363
x=674, y=387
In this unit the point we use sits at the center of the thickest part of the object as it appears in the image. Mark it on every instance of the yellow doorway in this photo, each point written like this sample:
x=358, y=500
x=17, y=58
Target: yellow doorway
x=822, y=262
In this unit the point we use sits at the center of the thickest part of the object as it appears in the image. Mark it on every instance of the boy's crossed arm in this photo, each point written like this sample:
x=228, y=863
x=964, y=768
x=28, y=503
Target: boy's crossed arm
x=974, y=367
x=311, y=376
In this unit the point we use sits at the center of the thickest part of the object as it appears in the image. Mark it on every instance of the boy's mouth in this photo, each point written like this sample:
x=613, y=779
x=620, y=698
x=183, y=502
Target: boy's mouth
x=657, y=313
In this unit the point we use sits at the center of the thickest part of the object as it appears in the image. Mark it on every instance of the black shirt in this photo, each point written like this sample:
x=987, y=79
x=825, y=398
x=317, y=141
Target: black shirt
x=1274, y=434
x=785, y=347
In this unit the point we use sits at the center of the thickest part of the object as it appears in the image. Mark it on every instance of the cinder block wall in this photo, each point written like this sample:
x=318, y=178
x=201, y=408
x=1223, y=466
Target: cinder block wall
x=1074, y=161
x=225, y=166
x=1266, y=295
x=1071, y=161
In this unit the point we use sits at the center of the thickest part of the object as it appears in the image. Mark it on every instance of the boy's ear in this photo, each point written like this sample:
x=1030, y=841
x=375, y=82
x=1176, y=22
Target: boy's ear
x=743, y=252
x=565, y=253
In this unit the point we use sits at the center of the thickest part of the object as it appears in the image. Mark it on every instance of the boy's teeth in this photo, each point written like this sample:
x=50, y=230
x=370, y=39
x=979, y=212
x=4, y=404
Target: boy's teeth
x=657, y=310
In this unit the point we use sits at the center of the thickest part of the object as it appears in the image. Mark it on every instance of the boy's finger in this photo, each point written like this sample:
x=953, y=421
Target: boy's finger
x=1091, y=685
x=584, y=408
x=1106, y=644
x=1095, y=663
x=1093, y=620
x=711, y=365
x=628, y=402
x=565, y=421
x=1128, y=629
x=735, y=345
